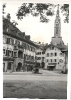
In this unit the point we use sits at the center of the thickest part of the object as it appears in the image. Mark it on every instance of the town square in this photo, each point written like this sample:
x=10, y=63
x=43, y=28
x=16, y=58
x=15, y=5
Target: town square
x=35, y=65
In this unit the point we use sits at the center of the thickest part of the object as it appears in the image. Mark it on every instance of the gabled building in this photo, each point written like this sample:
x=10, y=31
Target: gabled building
x=40, y=55
x=18, y=50
x=54, y=58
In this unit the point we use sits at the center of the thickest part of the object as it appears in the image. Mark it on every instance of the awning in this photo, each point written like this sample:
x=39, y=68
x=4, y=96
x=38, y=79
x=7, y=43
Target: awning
x=51, y=64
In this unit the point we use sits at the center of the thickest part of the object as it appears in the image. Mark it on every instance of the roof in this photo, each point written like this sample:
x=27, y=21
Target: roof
x=65, y=50
x=15, y=32
x=61, y=47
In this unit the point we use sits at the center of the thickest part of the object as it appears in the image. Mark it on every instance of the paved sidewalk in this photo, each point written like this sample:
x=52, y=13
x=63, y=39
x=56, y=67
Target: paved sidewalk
x=41, y=73
x=45, y=72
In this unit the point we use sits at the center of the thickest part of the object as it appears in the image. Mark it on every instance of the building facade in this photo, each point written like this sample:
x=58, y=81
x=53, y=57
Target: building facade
x=54, y=58
x=40, y=57
x=18, y=50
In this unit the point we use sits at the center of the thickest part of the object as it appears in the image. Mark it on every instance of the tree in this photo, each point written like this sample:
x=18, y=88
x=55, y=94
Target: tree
x=65, y=11
x=4, y=5
x=41, y=9
x=36, y=9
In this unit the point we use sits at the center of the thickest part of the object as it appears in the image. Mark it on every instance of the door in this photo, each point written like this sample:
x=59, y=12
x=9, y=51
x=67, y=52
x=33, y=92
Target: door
x=19, y=67
x=9, y=66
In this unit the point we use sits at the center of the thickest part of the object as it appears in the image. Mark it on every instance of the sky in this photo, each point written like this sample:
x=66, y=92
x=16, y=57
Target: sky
x=32, y=26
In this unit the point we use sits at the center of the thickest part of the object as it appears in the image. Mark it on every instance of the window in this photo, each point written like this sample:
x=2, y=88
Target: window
x=38, y=58
x=60, y=54
x=4, y=40
x=55, y=60
x=31, y=48
x=55, y=54
x=3, y=51
x=12, y=41
x=8, y=40
x=51, y=54
x=38, y=53
x=32, y=58
x=27, y=47
x=47, y=60
x=24, y=45
x=42, y=58
x=47, y=54
x=3, y=67
x=34, y=49
x=18, y=42
x=12, y=54
x=50, y=60
x=43, y=52
x=52, y=48
x=6, y=52
x=15, y=54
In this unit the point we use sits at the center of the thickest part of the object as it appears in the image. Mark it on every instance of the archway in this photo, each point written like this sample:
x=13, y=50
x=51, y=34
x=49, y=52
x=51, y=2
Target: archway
x=19, y=67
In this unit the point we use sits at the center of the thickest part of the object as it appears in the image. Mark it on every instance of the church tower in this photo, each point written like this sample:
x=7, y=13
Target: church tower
x=57, y=39
x=57, y=24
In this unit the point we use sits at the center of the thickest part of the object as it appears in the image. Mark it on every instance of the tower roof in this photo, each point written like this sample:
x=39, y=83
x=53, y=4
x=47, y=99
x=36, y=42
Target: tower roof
x=57, y=13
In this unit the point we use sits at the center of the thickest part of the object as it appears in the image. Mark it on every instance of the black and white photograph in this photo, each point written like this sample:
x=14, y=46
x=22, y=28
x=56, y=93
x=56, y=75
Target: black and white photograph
x=35, y=49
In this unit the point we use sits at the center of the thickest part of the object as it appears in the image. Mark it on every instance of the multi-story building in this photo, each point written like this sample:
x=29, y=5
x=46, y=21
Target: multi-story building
x=18, y=50
x=40, y=57
x=54, y=58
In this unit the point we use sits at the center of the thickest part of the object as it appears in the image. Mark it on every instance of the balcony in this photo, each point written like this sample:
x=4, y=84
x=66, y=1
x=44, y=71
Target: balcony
x=17, y=47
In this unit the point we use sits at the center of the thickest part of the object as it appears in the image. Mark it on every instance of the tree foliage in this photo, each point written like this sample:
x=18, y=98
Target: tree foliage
x=65, y=11
x=3, y=6
x=41, y=9
x=36, y=9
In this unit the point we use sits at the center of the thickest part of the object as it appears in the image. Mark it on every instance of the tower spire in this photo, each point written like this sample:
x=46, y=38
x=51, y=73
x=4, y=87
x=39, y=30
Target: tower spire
x=57, y=39
x=57, y=24
x=57, y=10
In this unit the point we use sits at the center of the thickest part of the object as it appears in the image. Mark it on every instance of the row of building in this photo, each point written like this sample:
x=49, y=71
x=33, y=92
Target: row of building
x=18, y=49
x=21, y=54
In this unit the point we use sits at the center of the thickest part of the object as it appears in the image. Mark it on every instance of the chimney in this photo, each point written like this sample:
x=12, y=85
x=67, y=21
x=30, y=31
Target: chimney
x=23, y=34
x=27, y=37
